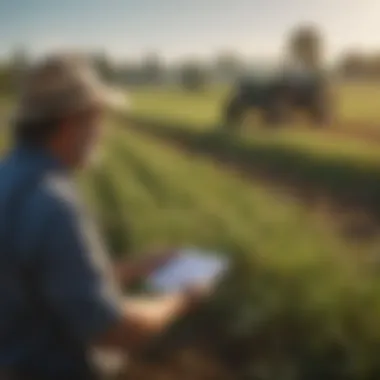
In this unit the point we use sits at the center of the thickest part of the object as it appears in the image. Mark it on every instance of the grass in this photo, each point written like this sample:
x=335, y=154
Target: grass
x=199, y=109
x=188, y=198
x=297, y=305
x=359, y=103
x=295, y=300
x=355, y=103
x=342, y=167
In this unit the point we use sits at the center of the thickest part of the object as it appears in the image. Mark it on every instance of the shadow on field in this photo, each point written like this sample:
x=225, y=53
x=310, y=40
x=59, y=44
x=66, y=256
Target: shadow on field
x=349, y=190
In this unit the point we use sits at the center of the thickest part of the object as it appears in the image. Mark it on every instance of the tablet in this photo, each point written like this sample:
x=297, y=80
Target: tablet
x=190, y=267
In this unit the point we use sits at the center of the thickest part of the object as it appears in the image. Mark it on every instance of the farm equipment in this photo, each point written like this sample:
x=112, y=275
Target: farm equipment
x=278, y=98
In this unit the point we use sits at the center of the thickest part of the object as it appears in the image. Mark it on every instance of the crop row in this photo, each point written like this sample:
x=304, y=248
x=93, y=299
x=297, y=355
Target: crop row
x=348, y=171
x=294, y=301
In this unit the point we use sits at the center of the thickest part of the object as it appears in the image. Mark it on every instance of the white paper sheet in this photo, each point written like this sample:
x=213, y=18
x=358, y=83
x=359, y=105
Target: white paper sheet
x=190, y=267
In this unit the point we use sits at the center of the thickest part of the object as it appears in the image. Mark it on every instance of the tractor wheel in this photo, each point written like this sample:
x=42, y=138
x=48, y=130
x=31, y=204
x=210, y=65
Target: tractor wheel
x=322, y=108
x=277, y=113
x=321, y=113
x=321, y=117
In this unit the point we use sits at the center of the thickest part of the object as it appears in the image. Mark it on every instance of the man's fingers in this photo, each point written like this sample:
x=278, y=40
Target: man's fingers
x=155, y=261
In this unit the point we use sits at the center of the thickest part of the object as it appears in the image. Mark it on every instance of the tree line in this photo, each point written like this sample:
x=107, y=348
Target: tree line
x=305, y=45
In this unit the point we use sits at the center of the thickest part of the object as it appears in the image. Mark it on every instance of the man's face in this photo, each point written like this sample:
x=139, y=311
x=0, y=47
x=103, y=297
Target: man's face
x=85, y=133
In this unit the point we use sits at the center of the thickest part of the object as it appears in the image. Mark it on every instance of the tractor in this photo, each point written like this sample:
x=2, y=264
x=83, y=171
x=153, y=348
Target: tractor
x=278, y=98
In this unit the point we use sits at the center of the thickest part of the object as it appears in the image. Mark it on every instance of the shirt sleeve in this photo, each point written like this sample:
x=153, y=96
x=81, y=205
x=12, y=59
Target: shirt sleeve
x=77, y=282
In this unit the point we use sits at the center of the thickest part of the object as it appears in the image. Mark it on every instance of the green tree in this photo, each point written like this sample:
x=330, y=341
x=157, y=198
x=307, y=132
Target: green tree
x=6, y=79
x=354, y=64
x=13, y=69
x=193, y=76
x=104, y=66
x=373, y=66
x=128, y=73
x=228, y=66
x=152, y=69
x=19, y=62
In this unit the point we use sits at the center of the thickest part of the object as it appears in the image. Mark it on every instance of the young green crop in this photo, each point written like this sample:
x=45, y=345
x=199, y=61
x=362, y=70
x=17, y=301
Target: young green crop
x=354, y=103
x=146, y=178
x=295, y=291
x=297, y=299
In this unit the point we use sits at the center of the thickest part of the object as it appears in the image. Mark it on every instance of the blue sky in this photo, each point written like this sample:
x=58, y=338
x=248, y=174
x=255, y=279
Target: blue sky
x=177, y=28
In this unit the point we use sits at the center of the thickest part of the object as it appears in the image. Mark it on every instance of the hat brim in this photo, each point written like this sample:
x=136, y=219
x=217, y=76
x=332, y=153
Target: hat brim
x=112, y=98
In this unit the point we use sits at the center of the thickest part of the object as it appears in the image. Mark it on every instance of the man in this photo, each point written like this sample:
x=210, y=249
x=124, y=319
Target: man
x=57, y=292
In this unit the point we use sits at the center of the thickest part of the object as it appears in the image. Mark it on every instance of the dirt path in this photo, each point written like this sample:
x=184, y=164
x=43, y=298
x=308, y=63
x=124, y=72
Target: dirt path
x=358, y=131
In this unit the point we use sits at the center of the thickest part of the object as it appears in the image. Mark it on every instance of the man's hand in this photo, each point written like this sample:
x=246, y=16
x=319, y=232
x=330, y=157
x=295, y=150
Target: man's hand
x=147, y=318
x=157, y=260
x=132, y=270
x=196, y=294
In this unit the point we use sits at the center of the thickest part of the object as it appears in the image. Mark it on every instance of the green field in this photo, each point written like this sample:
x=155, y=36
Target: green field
x=298, y=295
x=359, y=103
x=200, y=112
x=331, y=161
x=167, y=197
x=290, y=270
x=301, y=302
x=355, y=103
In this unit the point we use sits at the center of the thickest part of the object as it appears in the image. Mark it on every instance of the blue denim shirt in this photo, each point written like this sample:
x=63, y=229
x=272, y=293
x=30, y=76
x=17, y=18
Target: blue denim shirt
x=54, y=272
